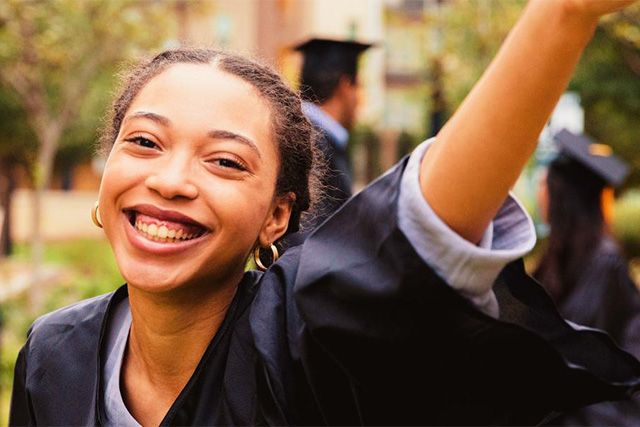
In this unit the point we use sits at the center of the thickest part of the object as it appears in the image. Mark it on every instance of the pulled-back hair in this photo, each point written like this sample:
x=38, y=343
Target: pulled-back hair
x=292, y=131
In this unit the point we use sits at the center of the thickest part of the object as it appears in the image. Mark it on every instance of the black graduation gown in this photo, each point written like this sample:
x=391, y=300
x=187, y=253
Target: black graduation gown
x=338, y=179
x=606, y=298
x=336, y=183
x=350, y=328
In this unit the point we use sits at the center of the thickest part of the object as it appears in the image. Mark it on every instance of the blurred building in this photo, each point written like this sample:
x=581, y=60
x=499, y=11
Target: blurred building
x=412, y=73
x=397, y=76
x=268, y=29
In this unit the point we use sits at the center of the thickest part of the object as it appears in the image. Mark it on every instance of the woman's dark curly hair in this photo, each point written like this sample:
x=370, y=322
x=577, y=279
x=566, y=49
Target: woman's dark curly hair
x=294, y=134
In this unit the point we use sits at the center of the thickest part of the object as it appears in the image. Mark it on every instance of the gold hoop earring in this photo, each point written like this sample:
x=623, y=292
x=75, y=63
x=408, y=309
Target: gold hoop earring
x=256, y=256
x=95, y=216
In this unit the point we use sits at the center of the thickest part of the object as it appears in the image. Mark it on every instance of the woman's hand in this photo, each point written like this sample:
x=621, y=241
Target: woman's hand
x=596, y=8
x=479, y=154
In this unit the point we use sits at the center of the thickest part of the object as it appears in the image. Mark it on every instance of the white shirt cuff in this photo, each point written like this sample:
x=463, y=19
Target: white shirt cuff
x=470, y=269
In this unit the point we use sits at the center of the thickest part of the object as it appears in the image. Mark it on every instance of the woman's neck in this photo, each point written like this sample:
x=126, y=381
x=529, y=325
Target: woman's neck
x=169, y=334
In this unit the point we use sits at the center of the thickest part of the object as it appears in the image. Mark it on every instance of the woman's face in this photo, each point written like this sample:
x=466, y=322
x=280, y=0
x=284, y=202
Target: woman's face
x=189, y=185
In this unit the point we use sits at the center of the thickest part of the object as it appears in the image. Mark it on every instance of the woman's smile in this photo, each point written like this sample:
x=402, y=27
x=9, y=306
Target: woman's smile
x=160, y=231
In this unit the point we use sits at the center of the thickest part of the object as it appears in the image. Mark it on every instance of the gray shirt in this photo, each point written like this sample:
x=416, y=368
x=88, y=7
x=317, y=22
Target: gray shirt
x=114, y=411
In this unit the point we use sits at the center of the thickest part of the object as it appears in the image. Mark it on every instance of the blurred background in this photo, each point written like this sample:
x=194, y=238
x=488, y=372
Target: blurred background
x=58, y=67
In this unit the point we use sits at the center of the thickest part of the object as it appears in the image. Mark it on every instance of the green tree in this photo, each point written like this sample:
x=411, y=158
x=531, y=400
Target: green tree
x=472, y=32
x=52, y=54
x=608, y=81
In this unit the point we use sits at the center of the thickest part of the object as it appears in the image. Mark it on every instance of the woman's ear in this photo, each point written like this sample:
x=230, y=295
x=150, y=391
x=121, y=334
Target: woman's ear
x=278, y=220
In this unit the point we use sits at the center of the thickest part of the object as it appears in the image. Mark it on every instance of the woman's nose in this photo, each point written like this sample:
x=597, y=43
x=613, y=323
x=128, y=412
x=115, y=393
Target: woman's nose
x=173, y=178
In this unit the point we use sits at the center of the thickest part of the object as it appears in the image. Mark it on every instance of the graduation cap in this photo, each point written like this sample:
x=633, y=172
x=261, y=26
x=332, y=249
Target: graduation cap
x=332, y=50
x=596, y=157
x=326, y=61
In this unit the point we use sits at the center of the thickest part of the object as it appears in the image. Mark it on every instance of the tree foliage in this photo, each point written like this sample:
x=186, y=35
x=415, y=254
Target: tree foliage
x=472, y=32
x=51, y=54
x=608, y=81
x=17, y=141
x=54, y=56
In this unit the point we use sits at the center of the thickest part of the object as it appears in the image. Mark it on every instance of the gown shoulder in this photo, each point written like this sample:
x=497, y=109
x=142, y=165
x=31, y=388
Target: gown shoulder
x=380, y=338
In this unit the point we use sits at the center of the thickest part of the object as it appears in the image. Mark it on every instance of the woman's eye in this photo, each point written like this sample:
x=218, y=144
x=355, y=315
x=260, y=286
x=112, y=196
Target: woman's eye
x=228, y=163
x=142, y=141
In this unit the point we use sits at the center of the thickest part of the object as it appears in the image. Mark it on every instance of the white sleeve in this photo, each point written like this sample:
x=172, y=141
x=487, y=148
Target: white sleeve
x=469, y=269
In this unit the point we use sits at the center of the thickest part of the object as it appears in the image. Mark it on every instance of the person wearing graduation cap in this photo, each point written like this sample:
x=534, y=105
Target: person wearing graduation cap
x=583, y=268
x=329, y=88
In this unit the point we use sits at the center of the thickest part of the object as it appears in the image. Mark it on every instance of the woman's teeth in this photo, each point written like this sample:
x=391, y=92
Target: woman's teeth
x=163, y=234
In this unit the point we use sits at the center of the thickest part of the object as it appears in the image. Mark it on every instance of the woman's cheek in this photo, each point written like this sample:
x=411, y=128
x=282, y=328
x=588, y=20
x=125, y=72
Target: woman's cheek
x=118, y=179
x=244, y=205
x=245, y=210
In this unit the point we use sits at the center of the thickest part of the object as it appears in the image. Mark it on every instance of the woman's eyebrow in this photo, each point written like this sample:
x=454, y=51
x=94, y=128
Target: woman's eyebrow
x=213, y=134
x=162, y=120
x=225, y=134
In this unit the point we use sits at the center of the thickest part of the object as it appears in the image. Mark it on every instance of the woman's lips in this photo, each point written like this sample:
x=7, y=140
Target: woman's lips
x=160, y=235
x=160, y=214
x=166, y=231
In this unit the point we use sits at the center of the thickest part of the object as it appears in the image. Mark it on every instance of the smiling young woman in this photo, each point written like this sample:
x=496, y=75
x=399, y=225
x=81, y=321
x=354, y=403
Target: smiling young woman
x=408, y=306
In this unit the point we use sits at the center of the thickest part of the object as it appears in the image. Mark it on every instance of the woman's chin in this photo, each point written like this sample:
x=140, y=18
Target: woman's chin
x=152, y=280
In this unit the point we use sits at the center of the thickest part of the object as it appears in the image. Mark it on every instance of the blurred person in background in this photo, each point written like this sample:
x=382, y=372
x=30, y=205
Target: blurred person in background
x=330, y=90
x=583, y=267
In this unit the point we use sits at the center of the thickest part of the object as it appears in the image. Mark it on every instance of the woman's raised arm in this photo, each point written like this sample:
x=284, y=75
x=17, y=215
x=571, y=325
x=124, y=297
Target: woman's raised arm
x=477, y=157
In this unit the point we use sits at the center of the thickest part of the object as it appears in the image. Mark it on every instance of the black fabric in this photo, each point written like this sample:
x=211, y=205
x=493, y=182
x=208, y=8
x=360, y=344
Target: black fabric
x=336, y=182
x=57, y=371
x=606, y=298
x=349, y=328
x=338, y=179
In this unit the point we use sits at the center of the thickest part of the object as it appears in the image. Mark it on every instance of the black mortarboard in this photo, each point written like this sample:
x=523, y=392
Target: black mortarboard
x=330, y=47
x=326, y=60
x=596, y=157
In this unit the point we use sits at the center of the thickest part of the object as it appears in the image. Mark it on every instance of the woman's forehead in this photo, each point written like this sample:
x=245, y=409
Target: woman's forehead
x=201, y=95
x=202, y=77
